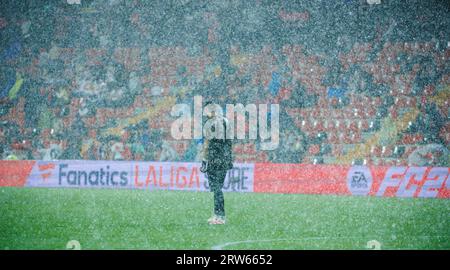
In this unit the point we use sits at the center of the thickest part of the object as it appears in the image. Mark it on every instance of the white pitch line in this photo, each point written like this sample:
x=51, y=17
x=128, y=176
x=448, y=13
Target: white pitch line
x=222, y=246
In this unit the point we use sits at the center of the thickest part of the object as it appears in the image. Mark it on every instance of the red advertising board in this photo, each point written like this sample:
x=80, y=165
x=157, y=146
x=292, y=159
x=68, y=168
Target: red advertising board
x=382, y=181
x=298, y=178
x=14, y=173
x=429, y=182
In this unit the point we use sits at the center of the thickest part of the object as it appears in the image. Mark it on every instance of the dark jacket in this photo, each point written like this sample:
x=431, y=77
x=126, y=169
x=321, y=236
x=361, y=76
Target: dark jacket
x=220, y=153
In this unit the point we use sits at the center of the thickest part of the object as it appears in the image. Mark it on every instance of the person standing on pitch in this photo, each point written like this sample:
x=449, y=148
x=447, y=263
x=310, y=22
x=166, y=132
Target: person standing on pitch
x=217, y=160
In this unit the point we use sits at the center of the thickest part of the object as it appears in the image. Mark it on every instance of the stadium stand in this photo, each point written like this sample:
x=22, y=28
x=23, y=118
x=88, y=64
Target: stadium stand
x=98, y=83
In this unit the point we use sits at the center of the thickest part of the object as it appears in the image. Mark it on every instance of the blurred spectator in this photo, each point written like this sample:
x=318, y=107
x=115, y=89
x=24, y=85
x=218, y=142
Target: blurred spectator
x=430, y=155
x=136, y=147
x=167, y=152
x=193, y=153
x=50, y=151
x=117, y=149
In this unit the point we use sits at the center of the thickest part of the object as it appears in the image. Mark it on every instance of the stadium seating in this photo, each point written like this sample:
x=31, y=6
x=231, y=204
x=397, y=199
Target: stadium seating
x=397, y=79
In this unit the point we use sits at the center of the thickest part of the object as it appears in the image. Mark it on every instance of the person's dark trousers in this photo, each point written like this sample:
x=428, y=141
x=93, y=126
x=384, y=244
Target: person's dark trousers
x=216, y=180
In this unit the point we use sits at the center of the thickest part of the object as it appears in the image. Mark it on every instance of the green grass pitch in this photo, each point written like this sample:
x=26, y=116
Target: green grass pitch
x=40, y=218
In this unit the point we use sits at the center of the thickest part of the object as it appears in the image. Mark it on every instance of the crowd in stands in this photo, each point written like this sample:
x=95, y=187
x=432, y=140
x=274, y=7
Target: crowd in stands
x=97, y=81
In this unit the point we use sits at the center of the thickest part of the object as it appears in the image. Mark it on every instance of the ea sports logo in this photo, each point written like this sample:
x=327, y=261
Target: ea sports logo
x=359, y=180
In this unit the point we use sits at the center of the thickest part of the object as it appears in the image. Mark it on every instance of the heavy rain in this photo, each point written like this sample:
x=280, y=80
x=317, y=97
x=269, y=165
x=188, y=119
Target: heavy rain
x=113, y=115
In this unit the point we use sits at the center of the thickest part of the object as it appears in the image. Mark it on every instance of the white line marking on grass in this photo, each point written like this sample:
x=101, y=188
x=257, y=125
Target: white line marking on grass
x=73, y=245
x=224, y=245
x=373, y=244
x=221, y=246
